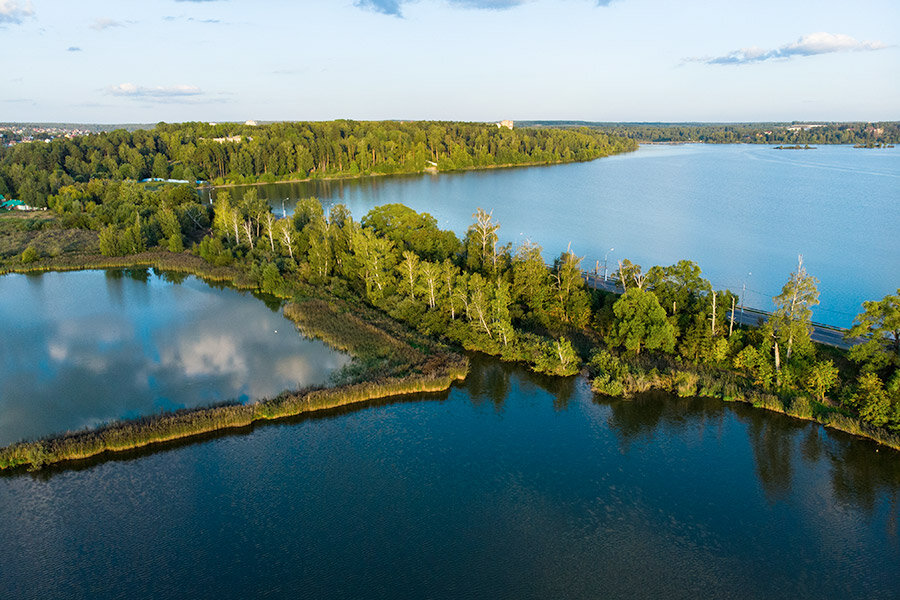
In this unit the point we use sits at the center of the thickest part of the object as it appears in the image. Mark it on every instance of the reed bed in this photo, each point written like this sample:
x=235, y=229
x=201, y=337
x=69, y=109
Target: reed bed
x=181, y=262
x=430, y=368
x=644, y=374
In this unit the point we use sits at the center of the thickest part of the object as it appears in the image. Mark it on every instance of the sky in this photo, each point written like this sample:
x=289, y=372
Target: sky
x=144, y=61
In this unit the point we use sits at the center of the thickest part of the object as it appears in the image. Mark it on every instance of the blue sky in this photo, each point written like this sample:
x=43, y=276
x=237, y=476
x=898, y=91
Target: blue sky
x=480, y=60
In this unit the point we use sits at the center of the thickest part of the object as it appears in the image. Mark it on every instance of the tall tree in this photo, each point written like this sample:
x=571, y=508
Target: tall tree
x=531, y=282
x=481, y=242
x=880, y=320
x=571, y=304
x=790, y=323
x=642, y=323
x=678, y=287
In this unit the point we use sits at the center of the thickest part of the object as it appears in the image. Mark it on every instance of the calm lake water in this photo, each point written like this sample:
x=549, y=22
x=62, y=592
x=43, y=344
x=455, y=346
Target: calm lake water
x=83, y=348
x=742, y=212
x=509, y=486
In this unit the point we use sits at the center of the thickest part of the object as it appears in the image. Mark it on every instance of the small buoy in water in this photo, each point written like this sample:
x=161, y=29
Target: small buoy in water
x=276, y=331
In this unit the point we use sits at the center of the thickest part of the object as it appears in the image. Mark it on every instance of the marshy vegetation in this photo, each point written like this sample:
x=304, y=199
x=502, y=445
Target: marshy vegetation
x=390, y=366
x=357, y=280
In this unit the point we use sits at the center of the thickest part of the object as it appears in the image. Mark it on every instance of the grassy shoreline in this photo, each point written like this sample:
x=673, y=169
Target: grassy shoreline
x=394, y=362
x=684, y=380
x=390, y=360
x=182, y=262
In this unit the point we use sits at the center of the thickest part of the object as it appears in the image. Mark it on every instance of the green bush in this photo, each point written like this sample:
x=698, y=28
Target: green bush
x=29, y=255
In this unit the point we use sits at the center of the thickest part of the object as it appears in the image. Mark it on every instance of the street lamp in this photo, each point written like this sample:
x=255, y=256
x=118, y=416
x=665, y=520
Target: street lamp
x=743, y=293
x=605, y=259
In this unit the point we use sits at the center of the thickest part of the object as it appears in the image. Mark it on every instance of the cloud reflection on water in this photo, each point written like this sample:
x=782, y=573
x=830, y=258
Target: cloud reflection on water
x=139, y=345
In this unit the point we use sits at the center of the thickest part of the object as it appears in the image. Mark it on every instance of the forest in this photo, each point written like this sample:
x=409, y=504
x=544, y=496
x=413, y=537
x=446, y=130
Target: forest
x=245, y=153
x=856, y=133
x=667, y=329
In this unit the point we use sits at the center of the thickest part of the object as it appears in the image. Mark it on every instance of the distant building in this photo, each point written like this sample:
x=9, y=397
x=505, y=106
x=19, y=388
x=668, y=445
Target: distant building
x=508, y=124
x=231, y=138
x=250, y=122
x=804, y=126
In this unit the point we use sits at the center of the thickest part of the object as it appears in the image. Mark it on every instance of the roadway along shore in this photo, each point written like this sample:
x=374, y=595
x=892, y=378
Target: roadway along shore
x=822, y=334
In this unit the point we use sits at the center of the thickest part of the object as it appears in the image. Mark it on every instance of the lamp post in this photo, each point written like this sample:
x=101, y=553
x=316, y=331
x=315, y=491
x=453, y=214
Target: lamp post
x=743, y=293
x=605, y=259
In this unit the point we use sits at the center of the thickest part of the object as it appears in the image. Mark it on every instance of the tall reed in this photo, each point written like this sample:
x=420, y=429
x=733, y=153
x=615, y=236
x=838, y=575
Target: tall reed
x=430, y=368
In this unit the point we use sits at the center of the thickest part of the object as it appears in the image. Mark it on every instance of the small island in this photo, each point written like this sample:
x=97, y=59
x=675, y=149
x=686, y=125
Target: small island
x=795, y=147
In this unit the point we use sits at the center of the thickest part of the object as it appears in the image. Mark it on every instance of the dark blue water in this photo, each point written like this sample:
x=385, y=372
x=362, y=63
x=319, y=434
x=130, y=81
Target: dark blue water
x=83, y=348
x=742, y=212
x=510, y=486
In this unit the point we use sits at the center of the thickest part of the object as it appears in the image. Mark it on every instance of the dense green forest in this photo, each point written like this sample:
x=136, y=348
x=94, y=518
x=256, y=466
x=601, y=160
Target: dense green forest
x=241, y=153
x=669, y=329
x=865, y=134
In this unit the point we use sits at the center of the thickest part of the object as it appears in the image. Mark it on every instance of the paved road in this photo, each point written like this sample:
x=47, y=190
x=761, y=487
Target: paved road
x=823, y=334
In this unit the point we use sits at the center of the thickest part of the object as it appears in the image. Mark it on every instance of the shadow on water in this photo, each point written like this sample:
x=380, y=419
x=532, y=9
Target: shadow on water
x=127, y=456
x=140, y=274
x=491, y=379
x=860, y=471
x=640, y=418
x=774, y=444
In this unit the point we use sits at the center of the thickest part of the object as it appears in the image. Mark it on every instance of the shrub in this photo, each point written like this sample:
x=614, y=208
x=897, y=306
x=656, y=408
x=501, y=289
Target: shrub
x=29, y=255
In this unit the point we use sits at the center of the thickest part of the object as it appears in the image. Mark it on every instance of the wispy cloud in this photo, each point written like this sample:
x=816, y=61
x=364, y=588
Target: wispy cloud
x=73, y=49
x=172, y=18
x=486, y=4
x=393, y=7
x=808, y=45
x=101, y=24
x=155, y=93
x=13, y=11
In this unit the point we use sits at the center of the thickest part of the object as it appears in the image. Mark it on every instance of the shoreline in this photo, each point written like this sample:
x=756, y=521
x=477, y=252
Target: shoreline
x=801, y=407
x=426, y=367
x=426, y=171
x=340, y=326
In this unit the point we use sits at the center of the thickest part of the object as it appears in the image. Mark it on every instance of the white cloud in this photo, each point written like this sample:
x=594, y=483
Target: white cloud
x=808, y=45
x=101, y=24
x=156, y=93
x=13, y=11
x=207, y=355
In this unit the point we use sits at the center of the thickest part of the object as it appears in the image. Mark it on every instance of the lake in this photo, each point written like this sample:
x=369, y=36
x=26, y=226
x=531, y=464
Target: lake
x=510, y=485
x=88, y=347
x=742, y=212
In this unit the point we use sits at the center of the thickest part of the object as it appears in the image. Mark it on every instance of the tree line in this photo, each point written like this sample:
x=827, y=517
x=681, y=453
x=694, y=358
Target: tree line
x=870, y=134
x=507, y=302
x=761, y=133
x=241, y=153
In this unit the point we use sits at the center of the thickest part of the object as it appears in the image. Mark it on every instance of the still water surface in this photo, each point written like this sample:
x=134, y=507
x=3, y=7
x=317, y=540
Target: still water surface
x=87, y=347
x=509, y=486
x=742, y=212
